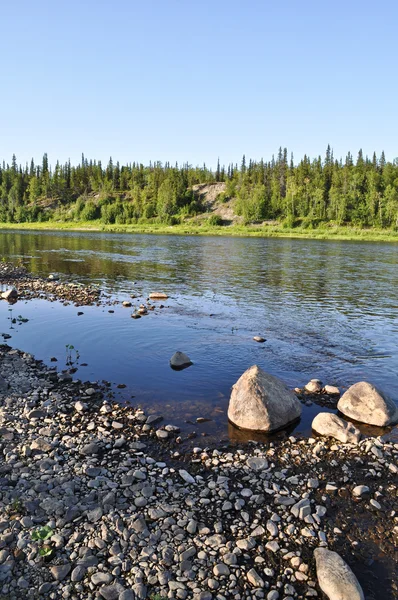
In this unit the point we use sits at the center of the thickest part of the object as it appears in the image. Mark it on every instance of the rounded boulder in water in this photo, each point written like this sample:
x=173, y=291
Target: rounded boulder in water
x=179, y=361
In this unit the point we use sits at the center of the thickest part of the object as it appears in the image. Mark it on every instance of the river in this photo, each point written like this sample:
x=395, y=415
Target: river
x=328, y=309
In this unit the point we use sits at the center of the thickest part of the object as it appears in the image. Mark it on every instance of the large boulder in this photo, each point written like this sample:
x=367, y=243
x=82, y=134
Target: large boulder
x=332, y=426
x=262, y=402
x=335, y=577
x=366, y=404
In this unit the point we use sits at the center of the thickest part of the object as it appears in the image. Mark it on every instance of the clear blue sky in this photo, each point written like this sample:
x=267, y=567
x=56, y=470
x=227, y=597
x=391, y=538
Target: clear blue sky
x=185, y=80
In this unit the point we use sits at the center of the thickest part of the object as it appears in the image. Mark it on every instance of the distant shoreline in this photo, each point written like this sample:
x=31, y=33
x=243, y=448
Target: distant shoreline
x=265, y=231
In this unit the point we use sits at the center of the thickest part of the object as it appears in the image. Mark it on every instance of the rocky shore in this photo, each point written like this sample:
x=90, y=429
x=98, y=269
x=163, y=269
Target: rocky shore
x=31, y=286
x=98, y=500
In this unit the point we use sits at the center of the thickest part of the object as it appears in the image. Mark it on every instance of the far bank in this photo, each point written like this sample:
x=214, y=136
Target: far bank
x=323, y=233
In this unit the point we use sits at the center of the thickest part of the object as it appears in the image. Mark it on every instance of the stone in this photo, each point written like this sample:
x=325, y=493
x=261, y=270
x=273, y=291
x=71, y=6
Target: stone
x=333, y=426
x=100, y=578
x=80, y=406
x=331, y=390
x=360, y=490
x=257, y=463
x=59, y=572
x=313, y=386
x=158, y=296
x=335, y=577
x=91, y=448
x=221, y=569
x=36, y=414
x=111, y=592
x=259, y=339
x=254, y=578
x=78, y=573
x=179, y=360
x=367, y=404
x=10, y=294
x=262, y=402
x=186, y=476
x=41, y=445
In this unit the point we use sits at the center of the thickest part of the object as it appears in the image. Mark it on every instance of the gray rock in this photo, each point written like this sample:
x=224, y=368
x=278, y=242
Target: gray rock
x=101, y=578
x=91, y=448
x=331, y=425
x=59, y=572
x=221, y=569
x=367, y=404
x=78, y=573
x=127, y=595
x=335, y=577
x=262, y=402
x=179, y=360
x=36, y=414
x=111, y=592
x=257, y=463
x=186, y=476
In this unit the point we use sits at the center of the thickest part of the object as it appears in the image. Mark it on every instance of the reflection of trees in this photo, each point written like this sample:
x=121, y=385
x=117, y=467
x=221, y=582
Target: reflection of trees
x=257, y=271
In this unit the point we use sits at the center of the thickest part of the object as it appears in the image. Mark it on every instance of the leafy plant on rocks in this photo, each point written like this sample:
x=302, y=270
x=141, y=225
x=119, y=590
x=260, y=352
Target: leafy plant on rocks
x=41, y=535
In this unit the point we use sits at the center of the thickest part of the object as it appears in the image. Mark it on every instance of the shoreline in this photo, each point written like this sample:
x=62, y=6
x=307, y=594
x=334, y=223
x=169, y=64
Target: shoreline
x=130, y=513
x=338, y=233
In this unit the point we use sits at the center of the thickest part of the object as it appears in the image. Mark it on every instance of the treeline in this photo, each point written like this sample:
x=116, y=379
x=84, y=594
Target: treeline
x=362, y=192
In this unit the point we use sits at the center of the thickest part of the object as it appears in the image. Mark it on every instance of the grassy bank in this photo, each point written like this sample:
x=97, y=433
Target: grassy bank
x=323, y=233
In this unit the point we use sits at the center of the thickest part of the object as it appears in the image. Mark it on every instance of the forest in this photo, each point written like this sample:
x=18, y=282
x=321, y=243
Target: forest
x=361, y=192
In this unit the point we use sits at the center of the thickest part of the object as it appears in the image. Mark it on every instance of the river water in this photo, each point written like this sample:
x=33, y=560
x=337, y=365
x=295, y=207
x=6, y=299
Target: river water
x=328, y=309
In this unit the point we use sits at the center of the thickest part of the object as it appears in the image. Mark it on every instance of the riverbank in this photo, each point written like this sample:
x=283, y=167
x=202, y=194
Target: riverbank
x=101, y=500
x=326, y=233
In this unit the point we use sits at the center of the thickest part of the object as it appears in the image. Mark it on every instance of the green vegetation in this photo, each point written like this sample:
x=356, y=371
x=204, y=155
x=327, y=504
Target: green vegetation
x=327, y=231
x=42, y=534
x=314, y=198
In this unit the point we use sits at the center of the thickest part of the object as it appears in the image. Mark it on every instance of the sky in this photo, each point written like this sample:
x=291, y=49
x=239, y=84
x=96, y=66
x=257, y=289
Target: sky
x=194, y=81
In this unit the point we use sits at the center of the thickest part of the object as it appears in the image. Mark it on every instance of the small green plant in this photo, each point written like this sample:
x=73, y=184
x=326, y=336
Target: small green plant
x=157, y=597
x=46, y=551
x=16, y=506
x=42, y=534
x=72, y=355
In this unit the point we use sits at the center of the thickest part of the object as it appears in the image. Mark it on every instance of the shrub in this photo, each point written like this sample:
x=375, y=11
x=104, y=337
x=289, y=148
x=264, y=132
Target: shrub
x=214, y=220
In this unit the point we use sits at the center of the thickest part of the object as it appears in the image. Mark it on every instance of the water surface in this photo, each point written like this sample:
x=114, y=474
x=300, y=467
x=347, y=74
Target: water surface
x=328, y=309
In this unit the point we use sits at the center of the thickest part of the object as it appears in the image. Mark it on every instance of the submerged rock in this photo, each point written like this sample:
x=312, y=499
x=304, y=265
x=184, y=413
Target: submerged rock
x=367, y=404
x=179, y=360
x=259, y=339
x=332, y=426
x=262, y=402
x=335, y=577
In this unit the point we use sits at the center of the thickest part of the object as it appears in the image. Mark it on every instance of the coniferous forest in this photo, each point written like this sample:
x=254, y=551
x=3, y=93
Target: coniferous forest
x=359, y=191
